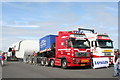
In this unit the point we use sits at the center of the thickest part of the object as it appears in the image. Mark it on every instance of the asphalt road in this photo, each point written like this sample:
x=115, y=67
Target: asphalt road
x=22, y=70
x=0, y=72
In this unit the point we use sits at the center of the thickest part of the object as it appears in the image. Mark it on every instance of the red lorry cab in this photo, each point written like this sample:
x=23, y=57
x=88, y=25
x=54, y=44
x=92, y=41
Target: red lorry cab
x=72, y=49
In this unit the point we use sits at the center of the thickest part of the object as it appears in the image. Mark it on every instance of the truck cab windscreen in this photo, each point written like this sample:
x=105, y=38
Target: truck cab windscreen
x=80, y=44
x=105, y=43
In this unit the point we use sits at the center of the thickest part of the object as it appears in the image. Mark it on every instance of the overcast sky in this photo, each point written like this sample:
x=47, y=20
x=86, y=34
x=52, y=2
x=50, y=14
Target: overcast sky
x=33, y=20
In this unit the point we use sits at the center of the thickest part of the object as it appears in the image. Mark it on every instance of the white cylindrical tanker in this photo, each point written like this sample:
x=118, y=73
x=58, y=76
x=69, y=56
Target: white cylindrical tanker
x=25, y=47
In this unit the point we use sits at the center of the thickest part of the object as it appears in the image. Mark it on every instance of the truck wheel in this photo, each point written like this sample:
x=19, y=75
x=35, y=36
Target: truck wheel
x=8, y=58
x=42, y=62
x=64, y=64
x=52, y=63
x=46, y=63
x=92, y=64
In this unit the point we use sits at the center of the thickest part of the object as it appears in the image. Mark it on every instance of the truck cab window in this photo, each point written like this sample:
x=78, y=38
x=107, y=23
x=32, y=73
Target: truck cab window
x=69, y=43
x=81, y=44
x=105, y=43
x=92, y=44
x=95, y=44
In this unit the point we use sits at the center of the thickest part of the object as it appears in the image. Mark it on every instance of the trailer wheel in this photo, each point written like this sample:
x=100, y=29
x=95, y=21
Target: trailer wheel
x=64, y=64
x=52, y=63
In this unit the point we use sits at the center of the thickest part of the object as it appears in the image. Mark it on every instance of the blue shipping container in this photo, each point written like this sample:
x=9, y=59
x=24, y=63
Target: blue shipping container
x=47, y=41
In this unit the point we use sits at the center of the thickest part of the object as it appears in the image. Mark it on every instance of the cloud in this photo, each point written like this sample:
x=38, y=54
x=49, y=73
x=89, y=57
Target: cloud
x=23, y=26
x=111, y=8
x=98, y=17
x=0, y=22
x=28, y=37
x=0, y=34
x=62, y=17
x=8, y=41
x=15, y=31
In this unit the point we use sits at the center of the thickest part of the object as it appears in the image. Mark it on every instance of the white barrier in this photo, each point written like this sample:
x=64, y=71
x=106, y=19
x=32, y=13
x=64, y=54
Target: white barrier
x=100, y=62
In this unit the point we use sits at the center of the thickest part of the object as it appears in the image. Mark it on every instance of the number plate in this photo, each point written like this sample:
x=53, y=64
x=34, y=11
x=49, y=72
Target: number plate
x=107, y=50
x=84, y=61
x=82, y=64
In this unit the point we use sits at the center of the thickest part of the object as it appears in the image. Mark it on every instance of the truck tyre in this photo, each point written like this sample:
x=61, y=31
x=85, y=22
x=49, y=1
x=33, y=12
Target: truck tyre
x=46, y=63
x=42, y=62
x=92, y=63
x=8, y=58
x=52, y=63
x=64, y=64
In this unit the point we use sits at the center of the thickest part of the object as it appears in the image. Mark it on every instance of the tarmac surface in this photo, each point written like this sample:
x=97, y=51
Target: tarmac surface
x=0, y=72
x=22, y=70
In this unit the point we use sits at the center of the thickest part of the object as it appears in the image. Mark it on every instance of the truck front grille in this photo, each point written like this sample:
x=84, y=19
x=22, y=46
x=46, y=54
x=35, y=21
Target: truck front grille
x=107, y=54
x=82, y=54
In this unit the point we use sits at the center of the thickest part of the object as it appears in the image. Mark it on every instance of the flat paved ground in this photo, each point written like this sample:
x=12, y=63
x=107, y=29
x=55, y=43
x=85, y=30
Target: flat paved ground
x=0, y=72
x=22, y=70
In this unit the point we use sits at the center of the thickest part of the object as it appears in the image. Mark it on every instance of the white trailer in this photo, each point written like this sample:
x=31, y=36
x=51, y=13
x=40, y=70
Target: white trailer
x=25, y=47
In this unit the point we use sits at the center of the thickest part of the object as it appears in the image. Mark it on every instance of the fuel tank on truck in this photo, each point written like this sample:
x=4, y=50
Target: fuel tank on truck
x=47, y=42
x=25, y=47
